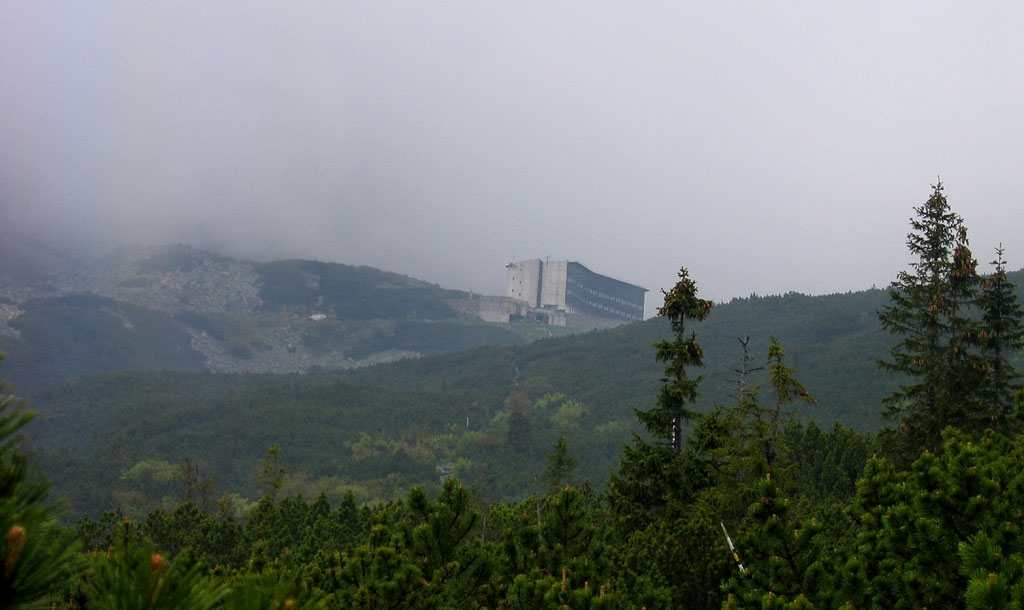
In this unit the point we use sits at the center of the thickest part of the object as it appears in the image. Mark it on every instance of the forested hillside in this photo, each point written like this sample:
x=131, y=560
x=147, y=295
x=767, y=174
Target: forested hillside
x=834, y=341
x=490, y=413
x=689, y=459
x=751, y=509
x=183, y=309
x=486, y=413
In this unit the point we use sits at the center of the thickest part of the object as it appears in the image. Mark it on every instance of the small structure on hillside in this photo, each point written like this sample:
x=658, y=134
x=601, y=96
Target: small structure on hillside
x=561, y=293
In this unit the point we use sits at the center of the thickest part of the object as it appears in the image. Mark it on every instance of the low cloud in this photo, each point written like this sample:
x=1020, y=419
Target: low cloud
x=766, y=148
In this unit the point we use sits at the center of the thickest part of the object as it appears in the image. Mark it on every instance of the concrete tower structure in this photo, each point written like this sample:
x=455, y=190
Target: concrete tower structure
x=524, y=281
x=569, y=288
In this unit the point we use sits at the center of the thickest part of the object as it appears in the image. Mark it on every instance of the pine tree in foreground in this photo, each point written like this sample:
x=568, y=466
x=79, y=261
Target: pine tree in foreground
x=38, y=554
x=133, y=575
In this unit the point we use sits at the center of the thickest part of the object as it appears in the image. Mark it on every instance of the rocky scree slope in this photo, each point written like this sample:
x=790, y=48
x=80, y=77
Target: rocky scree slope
x=238, y=316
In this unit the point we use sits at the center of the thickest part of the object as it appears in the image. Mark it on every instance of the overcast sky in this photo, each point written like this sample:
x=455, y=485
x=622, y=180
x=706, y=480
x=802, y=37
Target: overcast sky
x=767, y=146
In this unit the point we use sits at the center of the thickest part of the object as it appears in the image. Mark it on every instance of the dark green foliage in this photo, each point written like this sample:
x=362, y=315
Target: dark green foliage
x=364, y=338
x=944, y=533
x=547, y=592
x=937, y=534
x=519, y=423
x=683, y=558
x=954, y=332
x=660, y=493
x=425, y=556
x=66, y=337
x=271, y=473
x=753, y=443
x=133, y=574
x=679, y=391
x=671, y=505
x=825, y=465
x=834, y=341
x=1001, y=334
x=787, y=390
x=351, y=293
x=432, y=338
x=221, y=541
x=784, y=555
x=227, y=421
x=553, y=552
x=37, y=552
x=561, y=468
x=379, y=575
x=272, y=589
x=443, y=537
x=922, y=313
x=653, y=474
x=99, y=534
x=303, y=530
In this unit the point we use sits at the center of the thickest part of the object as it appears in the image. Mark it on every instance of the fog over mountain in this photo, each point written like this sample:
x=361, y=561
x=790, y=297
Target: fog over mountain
x=768, y=148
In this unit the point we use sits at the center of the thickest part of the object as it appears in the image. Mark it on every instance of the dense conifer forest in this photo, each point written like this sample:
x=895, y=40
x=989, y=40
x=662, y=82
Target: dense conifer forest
x=487, y=415
x=737, y=501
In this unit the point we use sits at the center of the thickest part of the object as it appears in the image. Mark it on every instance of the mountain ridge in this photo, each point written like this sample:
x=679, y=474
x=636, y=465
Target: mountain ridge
x=184, y=308
x=239, y=316
x=78, y=354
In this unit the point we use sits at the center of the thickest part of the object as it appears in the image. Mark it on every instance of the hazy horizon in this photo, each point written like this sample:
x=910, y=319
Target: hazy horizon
x=768, y=149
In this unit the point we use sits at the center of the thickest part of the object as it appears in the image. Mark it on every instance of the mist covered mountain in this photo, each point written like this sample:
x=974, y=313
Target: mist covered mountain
x=440, y=394
x=181, y=308
x=377, y=430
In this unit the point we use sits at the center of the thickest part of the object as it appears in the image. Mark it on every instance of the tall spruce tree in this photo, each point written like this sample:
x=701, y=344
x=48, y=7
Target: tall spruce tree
x=931, y=313
x=651, y=474
x=1002, y=333
x=561, y=469
x=679, y=391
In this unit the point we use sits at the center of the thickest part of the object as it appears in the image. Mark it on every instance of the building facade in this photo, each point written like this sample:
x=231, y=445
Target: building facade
x=569, y=288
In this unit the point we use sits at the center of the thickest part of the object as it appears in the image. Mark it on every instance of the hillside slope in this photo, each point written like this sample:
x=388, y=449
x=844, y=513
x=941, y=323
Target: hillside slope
x=118, y=358
x=833, y=341
x=378, y=430
x=179, y=308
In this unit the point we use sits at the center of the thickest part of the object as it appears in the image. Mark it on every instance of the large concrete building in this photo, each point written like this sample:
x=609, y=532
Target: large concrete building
x=567, y=293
